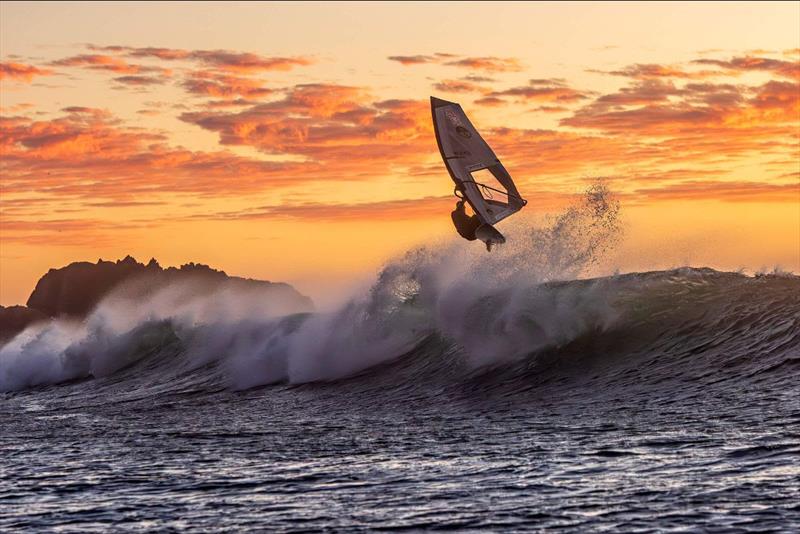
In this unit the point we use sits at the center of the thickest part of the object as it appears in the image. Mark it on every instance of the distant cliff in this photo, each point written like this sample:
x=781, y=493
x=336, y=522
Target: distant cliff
x=74, y=290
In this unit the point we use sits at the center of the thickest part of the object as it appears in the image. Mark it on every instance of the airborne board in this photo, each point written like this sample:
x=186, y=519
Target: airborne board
x=465, y=152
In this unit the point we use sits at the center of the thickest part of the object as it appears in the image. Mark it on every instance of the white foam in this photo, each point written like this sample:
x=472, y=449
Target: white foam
x=492, y=305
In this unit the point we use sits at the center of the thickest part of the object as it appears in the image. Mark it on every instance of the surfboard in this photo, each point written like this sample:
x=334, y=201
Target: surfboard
x=465, y=154
x=490, y=236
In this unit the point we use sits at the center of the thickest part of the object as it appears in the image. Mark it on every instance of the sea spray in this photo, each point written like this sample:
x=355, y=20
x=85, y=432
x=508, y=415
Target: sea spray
x=132, y=319
x=490, y=307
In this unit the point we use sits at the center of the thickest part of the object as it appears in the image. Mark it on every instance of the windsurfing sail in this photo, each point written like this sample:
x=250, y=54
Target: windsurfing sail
x=465, y=155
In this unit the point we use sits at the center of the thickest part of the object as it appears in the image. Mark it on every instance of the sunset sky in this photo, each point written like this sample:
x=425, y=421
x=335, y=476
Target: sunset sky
x=293, y=142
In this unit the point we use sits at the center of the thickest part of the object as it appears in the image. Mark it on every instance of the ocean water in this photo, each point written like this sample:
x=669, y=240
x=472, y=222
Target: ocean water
x=496, y=392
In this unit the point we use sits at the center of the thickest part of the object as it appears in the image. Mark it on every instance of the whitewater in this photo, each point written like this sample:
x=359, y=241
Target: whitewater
x=503, y=391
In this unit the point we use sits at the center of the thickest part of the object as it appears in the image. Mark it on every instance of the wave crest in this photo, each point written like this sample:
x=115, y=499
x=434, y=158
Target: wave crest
x=488, y=310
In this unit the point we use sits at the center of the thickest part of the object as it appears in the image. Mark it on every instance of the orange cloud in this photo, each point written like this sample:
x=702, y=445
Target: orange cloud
x=226, y=60
x=210, y=83
x=247, y=62
x=664, y=109
x=333, y=124
x=416, y=208
x=551, y=109
x=331, y=132
x=139, y=81
x=21, y=71
x=457, y=86
x=780, y=97
x=150, y=51
x=543, y=91
x=490, y=64
x=643, y=71
x=413, y=60
x=224, y=74
x=90, y=154
x=478, y=79
x=786, y=69
x=537, y=155
x=638, y=94
x=490, y=101
x=229, y=102
x=101, y=62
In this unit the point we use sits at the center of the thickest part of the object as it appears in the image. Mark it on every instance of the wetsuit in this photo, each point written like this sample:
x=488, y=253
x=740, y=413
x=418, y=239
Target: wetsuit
x=466, y=225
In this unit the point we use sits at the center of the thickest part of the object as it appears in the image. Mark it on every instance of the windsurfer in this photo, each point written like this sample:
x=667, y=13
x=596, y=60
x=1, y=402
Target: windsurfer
x=472, y=227
x=466, y=225
x=467, y=156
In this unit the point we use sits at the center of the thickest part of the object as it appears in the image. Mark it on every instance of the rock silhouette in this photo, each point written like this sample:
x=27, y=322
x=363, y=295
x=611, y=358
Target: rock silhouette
x=73, y=291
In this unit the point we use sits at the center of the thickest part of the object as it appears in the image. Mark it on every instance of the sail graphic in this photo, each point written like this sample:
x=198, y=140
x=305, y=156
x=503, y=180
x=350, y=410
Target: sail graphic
x=465, y=154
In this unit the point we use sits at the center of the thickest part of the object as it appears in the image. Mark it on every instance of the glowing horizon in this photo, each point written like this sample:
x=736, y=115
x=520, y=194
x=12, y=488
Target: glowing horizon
x=265, y=139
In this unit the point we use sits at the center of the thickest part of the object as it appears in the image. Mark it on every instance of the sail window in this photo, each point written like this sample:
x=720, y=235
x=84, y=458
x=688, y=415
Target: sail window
x=489, y=186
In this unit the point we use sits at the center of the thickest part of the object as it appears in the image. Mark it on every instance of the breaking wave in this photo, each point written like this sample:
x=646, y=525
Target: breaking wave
x=439, y=317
